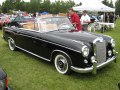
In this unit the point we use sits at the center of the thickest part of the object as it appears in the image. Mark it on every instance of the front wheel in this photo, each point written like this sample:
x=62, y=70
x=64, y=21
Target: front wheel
x=62, y=63
x=12, y=45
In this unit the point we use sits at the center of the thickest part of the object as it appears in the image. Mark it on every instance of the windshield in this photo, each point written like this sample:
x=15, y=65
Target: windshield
x=54, y=23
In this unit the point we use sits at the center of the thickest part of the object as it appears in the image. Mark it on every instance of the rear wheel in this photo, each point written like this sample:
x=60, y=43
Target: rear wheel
x=62, y=63
x=12, y=45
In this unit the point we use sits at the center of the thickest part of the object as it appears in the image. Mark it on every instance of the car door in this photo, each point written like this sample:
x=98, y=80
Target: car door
x=33, y=43
x=25, y=40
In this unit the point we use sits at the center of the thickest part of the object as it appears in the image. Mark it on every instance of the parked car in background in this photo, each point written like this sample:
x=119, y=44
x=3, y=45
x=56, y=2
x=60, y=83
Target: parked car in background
x=21, y=20
x=3, y=80
x=1, y=24
x=1, y=15
x=55, y=39
x=12, y=18
x=4, y=21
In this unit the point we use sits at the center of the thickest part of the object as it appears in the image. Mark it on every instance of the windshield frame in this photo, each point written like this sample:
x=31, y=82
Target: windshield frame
x=37, y=26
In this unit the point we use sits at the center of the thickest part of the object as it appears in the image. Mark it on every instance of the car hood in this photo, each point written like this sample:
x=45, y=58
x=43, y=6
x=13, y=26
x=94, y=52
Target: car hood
x=72, y=40
x=75, y=36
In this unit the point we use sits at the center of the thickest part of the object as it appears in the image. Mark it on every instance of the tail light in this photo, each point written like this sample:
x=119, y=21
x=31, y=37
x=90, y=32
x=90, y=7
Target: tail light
x=6, y=82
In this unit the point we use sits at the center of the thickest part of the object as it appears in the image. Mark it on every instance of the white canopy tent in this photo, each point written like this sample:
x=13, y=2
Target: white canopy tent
x=94, y=6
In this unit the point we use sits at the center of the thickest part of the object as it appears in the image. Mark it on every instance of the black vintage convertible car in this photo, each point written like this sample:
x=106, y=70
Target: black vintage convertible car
x=55, y=39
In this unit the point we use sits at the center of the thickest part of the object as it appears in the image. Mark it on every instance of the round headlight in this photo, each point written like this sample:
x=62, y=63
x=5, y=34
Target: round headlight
x=113, y=42
x=85, y=51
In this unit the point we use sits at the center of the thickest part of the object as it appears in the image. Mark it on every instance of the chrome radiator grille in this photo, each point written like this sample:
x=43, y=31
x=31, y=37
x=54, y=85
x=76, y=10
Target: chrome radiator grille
x=100, y=52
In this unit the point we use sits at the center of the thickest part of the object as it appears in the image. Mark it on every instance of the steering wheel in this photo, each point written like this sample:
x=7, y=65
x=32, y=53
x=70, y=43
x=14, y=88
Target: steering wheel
x=60, y=26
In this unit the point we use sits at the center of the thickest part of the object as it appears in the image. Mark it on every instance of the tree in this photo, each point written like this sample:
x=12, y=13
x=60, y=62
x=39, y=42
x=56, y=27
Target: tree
x=117, y=7
x=38, y=6
x=111, y=4
x=45, y=6
x=0, y=8
x=7, y=5
x=107, y=3
x=78, y=4
x=19, y=5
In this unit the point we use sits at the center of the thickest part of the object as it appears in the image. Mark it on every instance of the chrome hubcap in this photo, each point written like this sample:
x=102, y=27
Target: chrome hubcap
x=61, y=64
x=11, y=44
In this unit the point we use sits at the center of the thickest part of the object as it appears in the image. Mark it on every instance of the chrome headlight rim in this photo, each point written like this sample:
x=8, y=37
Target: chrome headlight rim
x=112, y=42
x=85, y=51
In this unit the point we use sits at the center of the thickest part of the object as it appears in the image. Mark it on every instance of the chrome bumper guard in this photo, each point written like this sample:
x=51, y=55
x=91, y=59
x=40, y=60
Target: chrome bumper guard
x=94, y=68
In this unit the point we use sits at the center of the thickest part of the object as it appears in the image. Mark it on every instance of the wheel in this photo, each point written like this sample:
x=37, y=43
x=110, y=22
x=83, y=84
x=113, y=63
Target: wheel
x=62, y=63
x=12, y=45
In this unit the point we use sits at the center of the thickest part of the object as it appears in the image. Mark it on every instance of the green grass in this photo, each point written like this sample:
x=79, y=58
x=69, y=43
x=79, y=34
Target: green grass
x=26, y=72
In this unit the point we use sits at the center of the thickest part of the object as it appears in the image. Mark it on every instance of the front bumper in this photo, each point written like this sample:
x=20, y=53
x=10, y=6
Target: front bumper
x=95, y=66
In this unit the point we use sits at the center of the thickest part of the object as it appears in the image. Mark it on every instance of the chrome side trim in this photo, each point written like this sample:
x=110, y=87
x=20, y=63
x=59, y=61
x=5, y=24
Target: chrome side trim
x=94, y=67
x=61, y=52
x=53, y=43
x=33, y=54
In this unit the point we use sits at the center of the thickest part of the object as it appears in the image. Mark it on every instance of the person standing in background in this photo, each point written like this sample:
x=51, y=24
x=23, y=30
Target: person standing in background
x=111, y=18
x=106, y=17
x=75, y=20
x=101, y=17
x=85, y=20
x=34, y=15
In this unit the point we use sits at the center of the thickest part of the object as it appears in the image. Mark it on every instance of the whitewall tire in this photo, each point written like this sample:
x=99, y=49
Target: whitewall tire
x=12, y=45
x=62, y=63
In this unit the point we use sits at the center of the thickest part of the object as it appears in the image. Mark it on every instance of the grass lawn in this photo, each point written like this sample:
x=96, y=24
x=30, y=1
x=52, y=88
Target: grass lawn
x=26, y=72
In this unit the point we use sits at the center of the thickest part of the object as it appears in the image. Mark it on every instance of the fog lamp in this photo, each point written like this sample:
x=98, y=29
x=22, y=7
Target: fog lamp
x=109, y=53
